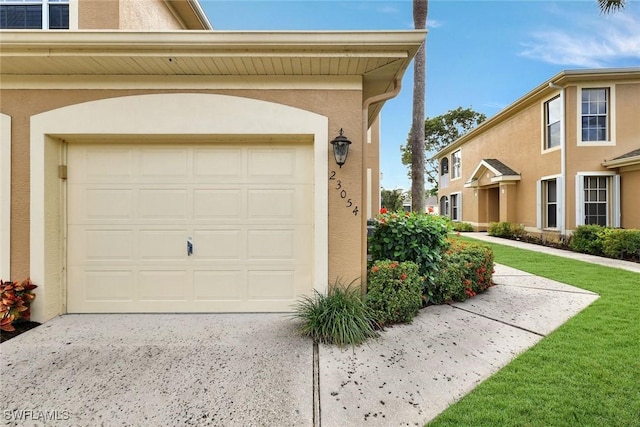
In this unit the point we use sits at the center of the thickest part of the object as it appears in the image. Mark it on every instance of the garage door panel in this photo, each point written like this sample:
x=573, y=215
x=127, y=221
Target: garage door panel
x=268, y=284
x=212, y=204
x=218, y=245
x=164, y=285
x=249, y=216
x=109, y=285
x=220, y=285
x=221, y=164
x=163, y=163
x=113, y=163
x=163, y=203
x=163, y=244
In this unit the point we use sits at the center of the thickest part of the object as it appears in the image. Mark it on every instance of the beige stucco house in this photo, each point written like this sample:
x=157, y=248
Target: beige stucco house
x=565, y=154
x=149, y=163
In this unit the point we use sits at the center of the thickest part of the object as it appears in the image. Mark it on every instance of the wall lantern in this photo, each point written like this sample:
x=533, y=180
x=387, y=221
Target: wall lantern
x=340, y=148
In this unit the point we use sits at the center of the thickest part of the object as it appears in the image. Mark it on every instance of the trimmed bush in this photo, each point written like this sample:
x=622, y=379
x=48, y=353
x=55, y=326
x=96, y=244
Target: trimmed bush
x=340, y=317
x=410, y=236
x=586, y=239
x=506, y=230
x=620, y=243
x=467, y=270
x=394, y=294
x=462, y=226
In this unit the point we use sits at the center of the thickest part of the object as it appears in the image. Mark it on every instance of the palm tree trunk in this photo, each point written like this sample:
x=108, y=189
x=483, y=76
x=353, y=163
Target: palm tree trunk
x=420, y=10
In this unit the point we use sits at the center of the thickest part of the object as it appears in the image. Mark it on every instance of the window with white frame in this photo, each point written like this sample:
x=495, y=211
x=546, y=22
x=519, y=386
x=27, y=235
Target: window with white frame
x=552, y=117
x=598, y=200
x=34, y=14
x=550, y=188
x=456, y=164
x=595, y=114
x=444, y=205
x=456, y=206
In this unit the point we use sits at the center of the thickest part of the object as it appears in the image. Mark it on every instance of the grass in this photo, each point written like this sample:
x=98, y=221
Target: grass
x=586, y=373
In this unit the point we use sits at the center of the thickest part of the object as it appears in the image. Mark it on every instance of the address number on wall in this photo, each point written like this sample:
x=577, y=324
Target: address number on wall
x=339, y=187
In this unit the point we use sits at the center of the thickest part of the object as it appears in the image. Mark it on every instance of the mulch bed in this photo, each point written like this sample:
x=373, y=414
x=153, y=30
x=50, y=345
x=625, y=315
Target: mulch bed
x=20, y=328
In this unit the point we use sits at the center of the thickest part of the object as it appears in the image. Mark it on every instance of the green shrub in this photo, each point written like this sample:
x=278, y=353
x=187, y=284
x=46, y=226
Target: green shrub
x=394, y=294
x=620, y=243
x=467, y=270
x=462, y=226
x=586, y=239
x=415, y=237
x=340, y=317
x=506, y=230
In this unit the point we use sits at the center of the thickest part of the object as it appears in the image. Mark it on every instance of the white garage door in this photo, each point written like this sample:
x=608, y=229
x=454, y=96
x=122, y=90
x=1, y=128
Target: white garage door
x=133, y=210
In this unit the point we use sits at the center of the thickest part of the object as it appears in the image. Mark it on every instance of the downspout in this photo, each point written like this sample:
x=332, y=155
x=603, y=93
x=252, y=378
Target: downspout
x=563, y=159
x=397, y=84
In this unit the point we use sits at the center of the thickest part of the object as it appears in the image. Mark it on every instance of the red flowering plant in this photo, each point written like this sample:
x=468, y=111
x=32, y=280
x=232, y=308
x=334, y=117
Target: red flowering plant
x=16, y=297
x=394, y=292
x=466, y=271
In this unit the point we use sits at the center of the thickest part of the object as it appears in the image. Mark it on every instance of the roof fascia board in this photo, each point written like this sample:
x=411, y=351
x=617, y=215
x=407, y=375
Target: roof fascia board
x=618, y=163
x=563, y=78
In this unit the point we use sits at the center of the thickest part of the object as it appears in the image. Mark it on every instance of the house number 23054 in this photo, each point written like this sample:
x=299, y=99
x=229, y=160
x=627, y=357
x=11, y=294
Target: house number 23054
x=349, y=204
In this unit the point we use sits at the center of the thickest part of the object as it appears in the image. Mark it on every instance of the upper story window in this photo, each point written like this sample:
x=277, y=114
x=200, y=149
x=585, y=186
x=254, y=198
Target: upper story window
x=456, y=164
x=595, y=114
x=34, y=14
x=552, y=117
x=444, y=166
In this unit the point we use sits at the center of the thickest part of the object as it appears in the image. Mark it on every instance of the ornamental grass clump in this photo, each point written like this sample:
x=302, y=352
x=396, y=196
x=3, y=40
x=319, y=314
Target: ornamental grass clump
x=340, y=317
x=394, y=293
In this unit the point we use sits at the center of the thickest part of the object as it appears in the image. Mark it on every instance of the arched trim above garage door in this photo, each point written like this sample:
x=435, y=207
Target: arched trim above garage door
x=154, y=118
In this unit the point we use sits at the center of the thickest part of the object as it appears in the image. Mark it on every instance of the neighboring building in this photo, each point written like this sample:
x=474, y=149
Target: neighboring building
x=120, y=150
x=565, y=154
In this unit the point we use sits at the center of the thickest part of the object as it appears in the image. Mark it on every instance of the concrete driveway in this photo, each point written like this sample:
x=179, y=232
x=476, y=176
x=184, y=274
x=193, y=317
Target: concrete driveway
x=254, y=370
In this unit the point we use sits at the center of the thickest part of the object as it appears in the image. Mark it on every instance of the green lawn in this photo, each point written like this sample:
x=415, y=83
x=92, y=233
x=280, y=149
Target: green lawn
x=586, y=373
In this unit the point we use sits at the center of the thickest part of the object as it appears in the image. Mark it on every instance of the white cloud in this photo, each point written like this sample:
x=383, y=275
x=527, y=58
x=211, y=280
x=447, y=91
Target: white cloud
x=433, y=23
x=604, y=41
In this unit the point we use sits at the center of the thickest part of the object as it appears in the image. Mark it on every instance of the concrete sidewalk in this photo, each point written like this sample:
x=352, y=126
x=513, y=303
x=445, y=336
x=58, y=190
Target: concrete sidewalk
x=255, y=370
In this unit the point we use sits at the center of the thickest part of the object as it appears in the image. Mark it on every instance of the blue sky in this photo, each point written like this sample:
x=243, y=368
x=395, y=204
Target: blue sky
x=480, y=54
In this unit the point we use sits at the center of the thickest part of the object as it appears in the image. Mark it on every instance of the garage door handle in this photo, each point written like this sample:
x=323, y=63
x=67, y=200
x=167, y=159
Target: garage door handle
x=189, y=246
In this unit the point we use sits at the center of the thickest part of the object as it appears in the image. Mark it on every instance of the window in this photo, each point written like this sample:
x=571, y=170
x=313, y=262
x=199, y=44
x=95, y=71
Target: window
x=552, y=117
x=444, y=205
x=444, y=166
x=456, y=207
x=595, y=110
x=598, y=199
x=456, y=164
x=34, y=14
x=551, y=203
x=595, y=200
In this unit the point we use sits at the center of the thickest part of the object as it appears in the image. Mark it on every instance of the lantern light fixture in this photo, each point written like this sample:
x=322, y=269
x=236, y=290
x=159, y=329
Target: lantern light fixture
x=340, y=148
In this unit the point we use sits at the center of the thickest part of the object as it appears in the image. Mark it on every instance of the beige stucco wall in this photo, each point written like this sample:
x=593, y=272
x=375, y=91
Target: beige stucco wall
x=126, y=15
x=98, y=14
x=342, y=107
x=147, y=15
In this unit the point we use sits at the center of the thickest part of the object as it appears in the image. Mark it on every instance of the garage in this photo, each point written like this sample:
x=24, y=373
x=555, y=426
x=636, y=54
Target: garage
x=189, y=227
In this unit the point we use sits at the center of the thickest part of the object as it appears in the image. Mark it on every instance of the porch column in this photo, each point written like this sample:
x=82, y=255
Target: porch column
x=508, y=202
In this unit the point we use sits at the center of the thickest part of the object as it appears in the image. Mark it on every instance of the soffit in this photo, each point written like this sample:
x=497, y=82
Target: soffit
x=378, y=57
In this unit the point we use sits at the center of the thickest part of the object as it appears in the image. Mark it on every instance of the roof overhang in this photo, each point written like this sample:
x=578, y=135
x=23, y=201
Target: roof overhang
x=497, y=178
x=190, y=13
x=377, y=58
x=622, y=162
